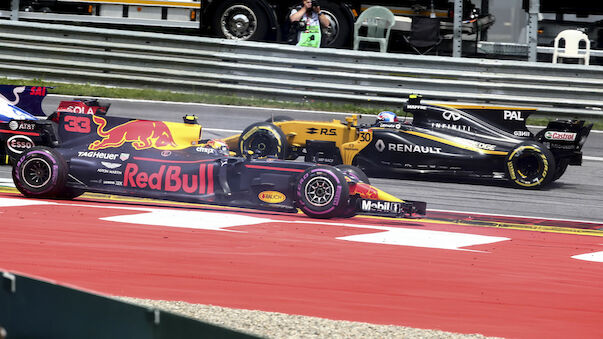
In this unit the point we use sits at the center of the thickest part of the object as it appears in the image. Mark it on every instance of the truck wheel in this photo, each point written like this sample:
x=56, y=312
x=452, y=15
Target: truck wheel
x=41, y=172
x=322, y=192
x=265, y=140
x=340, y=31
x=530, y=165
x=241, y=20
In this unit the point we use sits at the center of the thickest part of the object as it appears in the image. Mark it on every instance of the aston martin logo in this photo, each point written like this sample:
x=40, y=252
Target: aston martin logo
x=451, y=116
x=312, y=130
x=380, y=145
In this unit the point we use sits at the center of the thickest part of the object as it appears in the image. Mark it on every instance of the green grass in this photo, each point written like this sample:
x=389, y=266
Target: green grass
x=150, y=94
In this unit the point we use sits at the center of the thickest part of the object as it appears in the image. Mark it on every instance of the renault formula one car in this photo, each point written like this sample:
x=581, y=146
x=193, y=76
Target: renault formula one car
x=167, y=160
x=450, y=140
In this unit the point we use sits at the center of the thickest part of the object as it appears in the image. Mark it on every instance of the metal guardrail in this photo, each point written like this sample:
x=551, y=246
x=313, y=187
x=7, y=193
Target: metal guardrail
x=283, y=72
x=515, y=49
x=32, y=308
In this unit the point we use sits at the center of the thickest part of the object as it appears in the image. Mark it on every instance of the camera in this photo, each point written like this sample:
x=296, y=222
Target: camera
x=300, y=25
x=315, y=3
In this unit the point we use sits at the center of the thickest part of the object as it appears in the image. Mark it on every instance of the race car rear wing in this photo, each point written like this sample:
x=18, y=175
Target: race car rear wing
x=565, y=139
x=27, y=98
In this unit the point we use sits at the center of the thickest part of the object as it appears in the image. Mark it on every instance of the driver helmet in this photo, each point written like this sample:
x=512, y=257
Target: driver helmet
x=220, y=146
x=387, y=116
x=217, y=144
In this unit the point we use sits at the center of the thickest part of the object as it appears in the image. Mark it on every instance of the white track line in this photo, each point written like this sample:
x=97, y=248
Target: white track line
x=592, y=158
x=7, y=182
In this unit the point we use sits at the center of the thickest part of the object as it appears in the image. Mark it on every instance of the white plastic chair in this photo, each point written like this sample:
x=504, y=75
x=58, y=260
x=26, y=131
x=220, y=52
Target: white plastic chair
x=572, y=46
x=378, y=21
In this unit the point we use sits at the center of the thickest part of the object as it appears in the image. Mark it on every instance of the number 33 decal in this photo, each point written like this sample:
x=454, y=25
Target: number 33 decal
x=77, y=124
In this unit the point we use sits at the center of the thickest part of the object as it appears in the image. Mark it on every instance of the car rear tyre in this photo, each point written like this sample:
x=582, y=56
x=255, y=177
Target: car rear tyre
x=41, y=172
x=530, y=165
x=561, y=167
x=322, y=192
x=264, y=140
x=241, y=20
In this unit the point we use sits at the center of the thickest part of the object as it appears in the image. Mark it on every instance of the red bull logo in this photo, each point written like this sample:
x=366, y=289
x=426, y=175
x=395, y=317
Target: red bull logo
x=142, y=134
x=365, y=191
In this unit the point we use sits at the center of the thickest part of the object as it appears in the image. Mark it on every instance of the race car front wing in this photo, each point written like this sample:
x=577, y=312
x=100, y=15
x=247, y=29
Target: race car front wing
x=396, y=209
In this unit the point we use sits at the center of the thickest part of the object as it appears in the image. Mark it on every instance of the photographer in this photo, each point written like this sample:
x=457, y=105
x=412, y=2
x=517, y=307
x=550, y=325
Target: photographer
x=307, y=22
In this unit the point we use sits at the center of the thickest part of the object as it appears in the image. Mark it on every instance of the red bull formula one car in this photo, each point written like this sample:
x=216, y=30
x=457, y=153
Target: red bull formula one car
x=167, y=160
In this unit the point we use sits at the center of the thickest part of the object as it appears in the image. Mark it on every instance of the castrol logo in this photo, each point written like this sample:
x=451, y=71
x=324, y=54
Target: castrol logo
x=563, y=136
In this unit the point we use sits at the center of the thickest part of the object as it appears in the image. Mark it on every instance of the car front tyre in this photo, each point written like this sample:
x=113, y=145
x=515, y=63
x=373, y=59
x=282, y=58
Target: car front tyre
x=322, y=192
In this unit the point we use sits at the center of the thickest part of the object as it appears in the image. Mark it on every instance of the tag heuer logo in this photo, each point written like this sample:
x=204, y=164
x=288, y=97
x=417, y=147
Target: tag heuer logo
x=380, y=145
x=124, y=156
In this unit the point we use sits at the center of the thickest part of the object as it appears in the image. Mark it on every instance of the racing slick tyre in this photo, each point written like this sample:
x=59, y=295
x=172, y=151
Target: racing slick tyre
x=41, y=172
x=354, y=172
x=561, y=167
x=69, y=193
x=358, y=174
x=322, y=192
x=264, y=140
x=241, y=20
x=530, y=165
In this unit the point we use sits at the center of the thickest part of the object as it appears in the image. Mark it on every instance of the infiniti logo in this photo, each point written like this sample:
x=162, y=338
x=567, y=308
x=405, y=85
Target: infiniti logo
x=379, y=145
x=451, y=115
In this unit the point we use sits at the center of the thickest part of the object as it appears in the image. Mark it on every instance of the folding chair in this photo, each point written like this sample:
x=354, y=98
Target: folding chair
x=424, y=35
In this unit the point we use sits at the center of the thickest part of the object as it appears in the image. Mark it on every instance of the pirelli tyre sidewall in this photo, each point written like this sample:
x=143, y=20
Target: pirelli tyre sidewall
x=265, y=140
x=322, y=192
x=358, y=174
x=530, y=165
x=41, y=172
x=354, y=172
